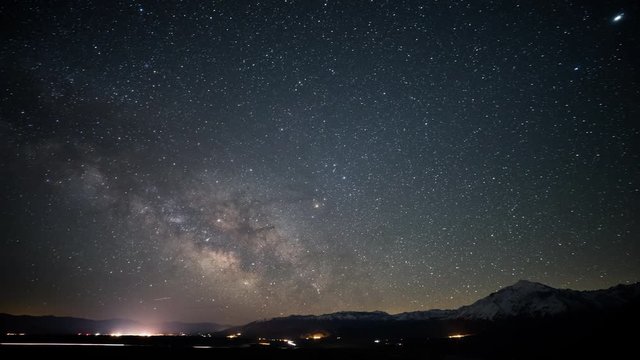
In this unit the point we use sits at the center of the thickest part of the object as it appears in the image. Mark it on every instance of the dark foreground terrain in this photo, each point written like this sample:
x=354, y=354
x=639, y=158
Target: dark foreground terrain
x=471, y=347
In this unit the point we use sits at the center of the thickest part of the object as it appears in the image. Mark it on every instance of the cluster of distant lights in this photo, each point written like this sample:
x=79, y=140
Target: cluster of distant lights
x=138, y=334
x=315, y=336
x=320, y=336
x=144, y=334
x=262, y=341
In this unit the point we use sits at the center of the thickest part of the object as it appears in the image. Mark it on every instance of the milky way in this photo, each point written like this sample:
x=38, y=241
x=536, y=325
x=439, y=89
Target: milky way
x=232, y=161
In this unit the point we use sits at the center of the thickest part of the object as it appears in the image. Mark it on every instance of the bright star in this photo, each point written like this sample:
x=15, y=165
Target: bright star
x=618, y=17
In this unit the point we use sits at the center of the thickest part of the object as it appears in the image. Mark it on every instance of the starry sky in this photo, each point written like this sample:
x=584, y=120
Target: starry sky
x=236, y=160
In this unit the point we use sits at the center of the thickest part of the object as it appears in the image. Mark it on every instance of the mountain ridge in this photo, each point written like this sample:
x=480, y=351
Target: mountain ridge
x=522, y=301
x=522, y=287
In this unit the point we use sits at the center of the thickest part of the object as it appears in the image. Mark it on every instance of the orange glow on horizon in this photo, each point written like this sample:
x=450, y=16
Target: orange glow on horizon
x=316, y=336
x=140, y=334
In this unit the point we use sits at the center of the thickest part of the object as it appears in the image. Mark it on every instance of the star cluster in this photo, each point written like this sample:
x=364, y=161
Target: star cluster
x=236, y=160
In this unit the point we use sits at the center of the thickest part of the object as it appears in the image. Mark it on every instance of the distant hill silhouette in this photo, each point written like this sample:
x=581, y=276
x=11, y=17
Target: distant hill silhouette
x=53, y=325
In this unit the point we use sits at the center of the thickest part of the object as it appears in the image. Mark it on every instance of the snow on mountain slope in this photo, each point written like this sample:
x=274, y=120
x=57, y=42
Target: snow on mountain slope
x=530, y=299
x=524, y=299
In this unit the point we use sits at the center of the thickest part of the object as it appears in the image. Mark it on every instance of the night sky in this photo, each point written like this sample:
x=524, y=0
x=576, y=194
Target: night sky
x=236, y=160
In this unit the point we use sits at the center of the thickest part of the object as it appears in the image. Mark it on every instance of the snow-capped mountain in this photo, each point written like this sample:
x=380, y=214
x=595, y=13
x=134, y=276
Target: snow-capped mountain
x=521, y=301
x=534, y=300
x=525, y=298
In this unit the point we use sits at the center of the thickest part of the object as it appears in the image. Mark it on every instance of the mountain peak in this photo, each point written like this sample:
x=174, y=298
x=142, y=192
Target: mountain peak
x=529, y=285
x=524, y=298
